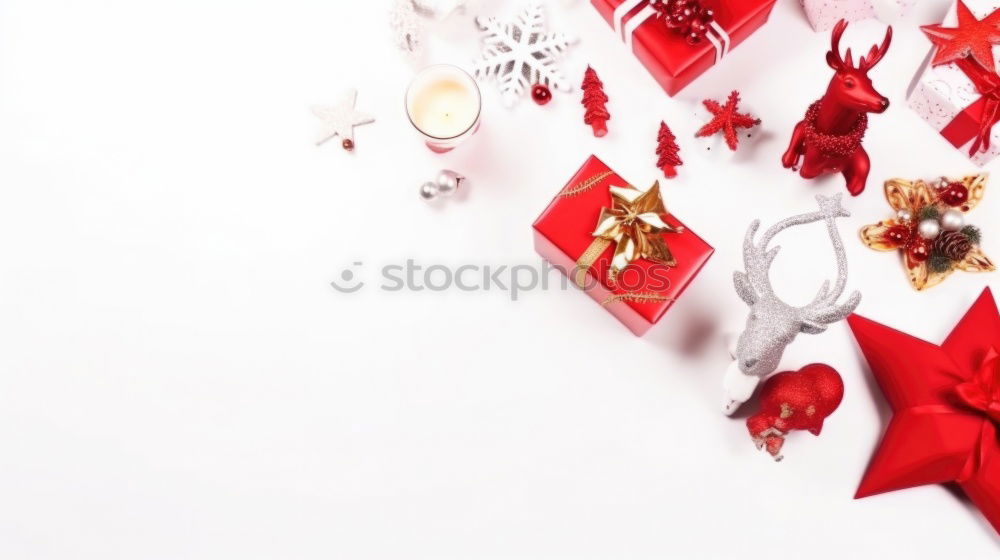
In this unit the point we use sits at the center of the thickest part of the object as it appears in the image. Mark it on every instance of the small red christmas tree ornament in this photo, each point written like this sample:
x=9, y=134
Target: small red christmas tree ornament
x=798, y=400
x=667, y=150
x=594, y=100
x=727, y=119
x=828, y=139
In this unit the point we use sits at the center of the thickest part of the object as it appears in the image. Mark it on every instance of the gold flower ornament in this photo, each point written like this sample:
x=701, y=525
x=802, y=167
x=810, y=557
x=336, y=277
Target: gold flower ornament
x=930, y=229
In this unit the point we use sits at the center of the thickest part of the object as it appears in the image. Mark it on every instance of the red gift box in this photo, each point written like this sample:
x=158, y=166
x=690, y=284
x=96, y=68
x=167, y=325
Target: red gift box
x=667, y=55
x=644, y=289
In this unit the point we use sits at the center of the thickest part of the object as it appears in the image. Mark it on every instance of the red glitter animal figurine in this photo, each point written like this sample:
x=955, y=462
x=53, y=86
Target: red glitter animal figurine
x=828, y=139
x=795, y=400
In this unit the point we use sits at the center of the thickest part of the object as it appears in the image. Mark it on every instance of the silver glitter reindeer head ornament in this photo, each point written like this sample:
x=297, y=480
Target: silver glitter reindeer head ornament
x=773, y=324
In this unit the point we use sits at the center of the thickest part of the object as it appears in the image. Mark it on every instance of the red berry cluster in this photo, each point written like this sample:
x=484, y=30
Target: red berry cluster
x=905, y=236
x=685, y=17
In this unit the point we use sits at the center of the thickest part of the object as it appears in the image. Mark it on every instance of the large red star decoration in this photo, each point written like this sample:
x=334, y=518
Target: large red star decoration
x=946, y=406
x=972, y=38
x=727, y=119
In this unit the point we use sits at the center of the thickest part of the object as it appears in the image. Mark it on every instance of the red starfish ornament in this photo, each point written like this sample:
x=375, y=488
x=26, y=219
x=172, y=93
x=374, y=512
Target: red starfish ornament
x=972, y=38
x=946, y=407
x=727, y=119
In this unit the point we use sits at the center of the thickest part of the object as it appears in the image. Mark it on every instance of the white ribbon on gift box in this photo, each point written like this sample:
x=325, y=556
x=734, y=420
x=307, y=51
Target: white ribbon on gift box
x=717, y=35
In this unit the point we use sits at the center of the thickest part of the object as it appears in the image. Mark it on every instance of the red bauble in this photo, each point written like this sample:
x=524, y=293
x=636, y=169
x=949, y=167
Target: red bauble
x=798, y=400
x=946, y=408
x=955, y=194
x=541, y=94
x=898, y=235
x=348, y=144
x=918, y=251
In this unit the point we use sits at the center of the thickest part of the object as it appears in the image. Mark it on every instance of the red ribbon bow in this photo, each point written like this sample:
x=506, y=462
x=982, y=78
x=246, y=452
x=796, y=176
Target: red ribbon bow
x=970, y=46
x=982, y=392
x=988, y=85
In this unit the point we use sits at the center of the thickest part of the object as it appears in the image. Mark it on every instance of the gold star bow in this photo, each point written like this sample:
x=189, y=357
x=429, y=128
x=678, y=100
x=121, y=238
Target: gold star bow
x=635, y=224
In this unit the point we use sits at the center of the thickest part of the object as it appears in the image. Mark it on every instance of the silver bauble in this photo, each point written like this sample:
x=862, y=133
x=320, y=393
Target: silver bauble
x=448, y=182
x=929, y=228
x=428, y=191
x=952, y=220
x=904, y=215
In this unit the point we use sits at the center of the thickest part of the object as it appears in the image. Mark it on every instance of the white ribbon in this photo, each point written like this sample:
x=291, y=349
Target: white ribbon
x=720, y=40
x=717, y=35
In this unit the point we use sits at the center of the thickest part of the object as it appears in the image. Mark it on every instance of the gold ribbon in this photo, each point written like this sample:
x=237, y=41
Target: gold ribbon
x=634, y=224
x=638, y=297
x=586, y=184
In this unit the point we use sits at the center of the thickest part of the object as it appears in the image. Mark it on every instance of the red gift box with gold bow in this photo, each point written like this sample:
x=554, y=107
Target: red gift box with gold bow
x=620, y=245
x=667, y=52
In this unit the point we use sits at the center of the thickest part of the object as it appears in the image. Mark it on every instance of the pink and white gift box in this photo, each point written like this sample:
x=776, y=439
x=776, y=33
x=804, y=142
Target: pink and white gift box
x=824, y=14
x=947, y=99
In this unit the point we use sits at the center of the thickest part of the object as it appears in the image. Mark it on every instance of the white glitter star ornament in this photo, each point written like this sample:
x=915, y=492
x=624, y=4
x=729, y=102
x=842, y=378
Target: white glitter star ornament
x=340, y=119
x=520, y=54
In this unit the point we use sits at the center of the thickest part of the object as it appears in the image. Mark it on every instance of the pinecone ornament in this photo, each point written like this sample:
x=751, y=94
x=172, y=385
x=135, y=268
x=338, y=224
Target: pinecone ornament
x=954, y=245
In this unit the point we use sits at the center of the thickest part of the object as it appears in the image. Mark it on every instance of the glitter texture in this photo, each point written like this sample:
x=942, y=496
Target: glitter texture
x=772, y=324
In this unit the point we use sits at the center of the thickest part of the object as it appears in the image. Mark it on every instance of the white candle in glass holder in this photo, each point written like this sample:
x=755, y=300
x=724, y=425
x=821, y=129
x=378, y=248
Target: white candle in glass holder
x=444, y=105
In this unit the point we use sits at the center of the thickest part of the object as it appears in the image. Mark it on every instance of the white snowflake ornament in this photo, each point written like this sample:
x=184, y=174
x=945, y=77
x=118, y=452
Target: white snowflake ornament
x=439, y=9
x=407, y=29
x=340, y=119
x=520, y=54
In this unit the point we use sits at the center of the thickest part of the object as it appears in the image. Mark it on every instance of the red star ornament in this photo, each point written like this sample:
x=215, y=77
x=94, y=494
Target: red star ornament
x=946, y=406
x=727, y=119
x=972, y=37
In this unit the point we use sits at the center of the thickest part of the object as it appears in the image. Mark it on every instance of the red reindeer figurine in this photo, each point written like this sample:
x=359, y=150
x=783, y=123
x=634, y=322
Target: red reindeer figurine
x=828, y=139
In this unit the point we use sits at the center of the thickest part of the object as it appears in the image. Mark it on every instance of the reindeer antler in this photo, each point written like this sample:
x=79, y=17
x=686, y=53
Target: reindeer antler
x=876, y=53
x=866, y=62
x=824, y=309
x=755, y=282
x=833, y=57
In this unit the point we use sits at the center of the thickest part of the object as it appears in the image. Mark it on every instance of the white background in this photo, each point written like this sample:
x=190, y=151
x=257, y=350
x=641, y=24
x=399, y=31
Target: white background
x=179, y=380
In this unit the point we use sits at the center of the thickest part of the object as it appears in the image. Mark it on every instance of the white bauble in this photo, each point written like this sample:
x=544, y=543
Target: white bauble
x=428, y=191
x=952, y=220
x=447, y=182
x=929, y=228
